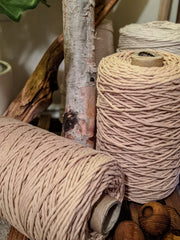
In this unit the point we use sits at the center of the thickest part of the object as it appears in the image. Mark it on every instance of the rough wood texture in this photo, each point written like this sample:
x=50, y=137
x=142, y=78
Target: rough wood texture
x=175, y=218
x=174, y=199
x=171, y=236
x=107, y=6
x=173, y=206
x=80, y=70
x=128, y=230
x=36, y=95
x=164, y=10
x=134, y=209
x=44, y=122
x=178, y=13
x=154, y=219
x=15, y=235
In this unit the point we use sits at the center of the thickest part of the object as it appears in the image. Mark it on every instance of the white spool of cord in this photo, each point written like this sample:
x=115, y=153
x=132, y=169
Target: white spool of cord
x=158, y=35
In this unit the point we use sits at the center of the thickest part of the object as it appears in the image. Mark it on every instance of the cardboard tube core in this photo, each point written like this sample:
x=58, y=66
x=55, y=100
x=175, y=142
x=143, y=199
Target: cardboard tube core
x=147, y=58
x=105, y=214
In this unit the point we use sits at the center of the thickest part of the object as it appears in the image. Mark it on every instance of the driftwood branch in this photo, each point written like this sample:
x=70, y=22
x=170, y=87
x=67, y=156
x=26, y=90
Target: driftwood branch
x=37, y=93
x=15, y=235
x=107, y=6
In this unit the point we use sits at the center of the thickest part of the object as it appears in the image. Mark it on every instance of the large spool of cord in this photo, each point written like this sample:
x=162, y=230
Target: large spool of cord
x=51, y=187
x=138, y=120
x=158, y=35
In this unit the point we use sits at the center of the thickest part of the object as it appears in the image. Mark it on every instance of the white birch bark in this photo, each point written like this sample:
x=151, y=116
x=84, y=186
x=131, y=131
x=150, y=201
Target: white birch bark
x=80, y=70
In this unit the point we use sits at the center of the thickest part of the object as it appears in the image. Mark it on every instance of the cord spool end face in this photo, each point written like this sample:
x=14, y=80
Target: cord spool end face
x=105, y=215
x=147, y=58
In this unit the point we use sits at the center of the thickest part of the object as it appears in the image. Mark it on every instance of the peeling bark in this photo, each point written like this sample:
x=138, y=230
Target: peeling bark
x=80, y=70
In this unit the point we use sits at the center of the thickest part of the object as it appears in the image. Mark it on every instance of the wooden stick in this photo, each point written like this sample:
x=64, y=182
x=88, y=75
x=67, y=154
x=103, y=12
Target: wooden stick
x=178, y=13
x=15, y=235
x=44, y=122
x=80, y=71
x=164, y=10
x=134, y=210
x=107, y=8
x=37, y=93
x=174, y=199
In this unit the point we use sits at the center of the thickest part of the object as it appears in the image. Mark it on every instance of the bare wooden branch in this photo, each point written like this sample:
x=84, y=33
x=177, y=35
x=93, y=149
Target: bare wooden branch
x=15, y=235
x=108, y=5
x=174, y=199
x=80, y=71
x=36, y=95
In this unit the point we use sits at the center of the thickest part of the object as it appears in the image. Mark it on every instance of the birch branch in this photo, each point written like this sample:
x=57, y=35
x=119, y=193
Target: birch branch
x=80, y=70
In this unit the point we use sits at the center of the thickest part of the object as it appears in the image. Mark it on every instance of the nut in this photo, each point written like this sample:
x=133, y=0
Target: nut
x=128, y=230
x=154, y=218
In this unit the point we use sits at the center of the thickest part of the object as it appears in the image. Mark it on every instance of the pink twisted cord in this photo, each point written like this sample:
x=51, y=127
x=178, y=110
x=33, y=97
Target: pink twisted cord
x=49, y=184
x=138, y=123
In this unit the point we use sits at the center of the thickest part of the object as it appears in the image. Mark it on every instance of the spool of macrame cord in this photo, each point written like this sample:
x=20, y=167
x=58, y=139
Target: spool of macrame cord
x=157, y=35
x=138, y=121
x=50, y=186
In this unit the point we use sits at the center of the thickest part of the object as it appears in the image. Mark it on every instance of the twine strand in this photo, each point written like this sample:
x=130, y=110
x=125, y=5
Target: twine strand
x=138, y=123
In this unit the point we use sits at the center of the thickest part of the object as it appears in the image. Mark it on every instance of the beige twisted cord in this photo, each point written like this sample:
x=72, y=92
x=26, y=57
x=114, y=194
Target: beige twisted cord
x=138, y=123
x=49, y=185
x=158, y=35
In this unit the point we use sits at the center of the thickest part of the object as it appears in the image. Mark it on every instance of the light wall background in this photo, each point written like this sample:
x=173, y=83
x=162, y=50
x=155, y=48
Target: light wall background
x=23, y=44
